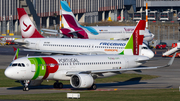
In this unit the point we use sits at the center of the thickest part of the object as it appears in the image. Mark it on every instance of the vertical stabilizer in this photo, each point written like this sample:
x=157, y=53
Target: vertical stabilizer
x=133, y=45
x=69, y=20
x=28, y=30
x=16, y=54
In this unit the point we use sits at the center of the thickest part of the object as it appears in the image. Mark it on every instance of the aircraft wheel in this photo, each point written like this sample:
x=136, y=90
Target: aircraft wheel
x=55, y=85
x=93, y=87
x=60, y=85
x=25, y=89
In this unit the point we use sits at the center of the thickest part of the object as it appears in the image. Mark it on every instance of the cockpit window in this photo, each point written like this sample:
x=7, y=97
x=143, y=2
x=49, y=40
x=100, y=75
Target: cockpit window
x=17, y=64
x=144, y=48
x=23, y=64
x=10, y=64
x=149, y=31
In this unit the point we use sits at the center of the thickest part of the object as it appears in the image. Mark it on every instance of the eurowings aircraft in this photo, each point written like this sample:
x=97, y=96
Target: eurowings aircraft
x=33, y=40
x=80, y=70
x=73, y=29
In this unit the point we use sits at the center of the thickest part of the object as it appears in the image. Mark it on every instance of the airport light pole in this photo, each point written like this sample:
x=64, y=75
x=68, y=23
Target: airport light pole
x=146, y=14
x=60, y=15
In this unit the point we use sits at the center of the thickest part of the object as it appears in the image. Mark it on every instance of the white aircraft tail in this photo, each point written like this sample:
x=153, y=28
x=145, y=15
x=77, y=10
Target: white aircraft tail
x=69, y=20
x=28, y=30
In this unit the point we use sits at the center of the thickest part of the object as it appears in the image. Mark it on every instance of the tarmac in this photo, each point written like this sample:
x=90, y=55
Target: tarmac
x=169, y=77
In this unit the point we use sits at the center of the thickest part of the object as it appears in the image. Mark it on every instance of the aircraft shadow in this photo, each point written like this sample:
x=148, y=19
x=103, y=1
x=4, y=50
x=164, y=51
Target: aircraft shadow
x=131, y=81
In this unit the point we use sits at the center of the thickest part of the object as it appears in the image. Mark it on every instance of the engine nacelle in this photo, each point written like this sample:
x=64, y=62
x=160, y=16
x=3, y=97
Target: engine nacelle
x=81, y=81
x=33, y=82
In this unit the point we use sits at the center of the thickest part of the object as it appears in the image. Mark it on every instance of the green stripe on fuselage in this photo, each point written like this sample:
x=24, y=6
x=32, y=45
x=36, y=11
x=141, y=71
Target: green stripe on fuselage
x=40, y=67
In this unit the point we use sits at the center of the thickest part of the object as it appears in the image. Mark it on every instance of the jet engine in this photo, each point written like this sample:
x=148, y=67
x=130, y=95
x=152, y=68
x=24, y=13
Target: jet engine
x=81, y=81
x=32, y=82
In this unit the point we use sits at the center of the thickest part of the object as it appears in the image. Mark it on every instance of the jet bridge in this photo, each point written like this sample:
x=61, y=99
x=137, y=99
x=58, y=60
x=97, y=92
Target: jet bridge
x=171, y=51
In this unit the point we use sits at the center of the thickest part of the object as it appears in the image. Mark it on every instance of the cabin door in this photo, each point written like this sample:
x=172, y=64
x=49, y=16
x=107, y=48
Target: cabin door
x=33, y=68
x=126, y=62
x=37, y=44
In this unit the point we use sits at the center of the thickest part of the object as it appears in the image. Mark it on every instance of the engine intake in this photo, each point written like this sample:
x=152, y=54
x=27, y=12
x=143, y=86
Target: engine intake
x=81, y=81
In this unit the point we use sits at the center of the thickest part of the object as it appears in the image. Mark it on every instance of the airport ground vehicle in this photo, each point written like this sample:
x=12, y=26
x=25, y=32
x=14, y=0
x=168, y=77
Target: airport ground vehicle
x=139, y=16
x=153, y=16
x=174, y=45
x=119, y=17
x=166, y=16
x=161, y=45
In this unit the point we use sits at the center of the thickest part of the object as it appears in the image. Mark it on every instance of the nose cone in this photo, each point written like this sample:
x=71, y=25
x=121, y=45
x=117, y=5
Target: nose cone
x=149, y=37
x=150, y=54
x=147, y=53
x=9, y=73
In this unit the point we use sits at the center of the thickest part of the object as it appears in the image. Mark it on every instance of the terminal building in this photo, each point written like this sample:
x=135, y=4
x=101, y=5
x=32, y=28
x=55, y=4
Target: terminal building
x=45, y=13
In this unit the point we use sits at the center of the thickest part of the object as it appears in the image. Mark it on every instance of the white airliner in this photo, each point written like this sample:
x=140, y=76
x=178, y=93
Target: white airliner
x=73, y=29
x=80, y=70
x=33, y=40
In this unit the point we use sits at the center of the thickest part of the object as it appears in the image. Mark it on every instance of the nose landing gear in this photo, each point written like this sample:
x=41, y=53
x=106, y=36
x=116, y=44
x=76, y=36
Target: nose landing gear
x=26, y=83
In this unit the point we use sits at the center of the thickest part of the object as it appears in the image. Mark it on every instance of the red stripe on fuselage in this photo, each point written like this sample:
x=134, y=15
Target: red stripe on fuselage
x=49, y=69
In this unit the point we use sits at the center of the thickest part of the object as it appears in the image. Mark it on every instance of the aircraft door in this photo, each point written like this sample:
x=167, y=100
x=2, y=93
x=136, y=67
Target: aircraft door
x=37, y=44
x=126, y=62
x=33, y=68
x=72, y=65
x=91, y=47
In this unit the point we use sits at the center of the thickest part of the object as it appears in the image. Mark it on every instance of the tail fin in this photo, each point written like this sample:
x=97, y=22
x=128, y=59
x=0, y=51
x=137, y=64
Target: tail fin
x=133, y=45
x=17, y=53
x=28, y=29
x=69, y=19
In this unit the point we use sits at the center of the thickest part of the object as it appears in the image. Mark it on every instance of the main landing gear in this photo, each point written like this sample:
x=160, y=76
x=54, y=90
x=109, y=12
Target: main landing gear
x=58, y=85
x=93, y=87
x=26, y=82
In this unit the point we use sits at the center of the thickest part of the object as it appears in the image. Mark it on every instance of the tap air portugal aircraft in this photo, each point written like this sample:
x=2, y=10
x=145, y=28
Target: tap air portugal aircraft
x=33, y=40
x=80, y=70
x=73, y=29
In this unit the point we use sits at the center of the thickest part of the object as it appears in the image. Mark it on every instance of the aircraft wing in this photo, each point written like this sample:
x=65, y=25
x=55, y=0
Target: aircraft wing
x=74, y=31
x=15, y=36
x=51, y=31
x=69, y=73
x=20, y=41
x=64, y=52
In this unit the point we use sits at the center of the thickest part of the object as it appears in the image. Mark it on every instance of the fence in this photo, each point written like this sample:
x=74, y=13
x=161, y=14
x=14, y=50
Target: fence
x=165, y=32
